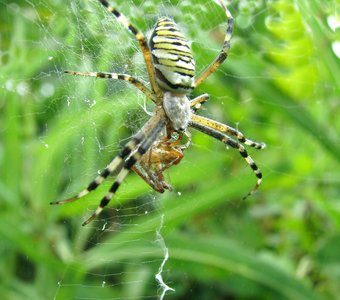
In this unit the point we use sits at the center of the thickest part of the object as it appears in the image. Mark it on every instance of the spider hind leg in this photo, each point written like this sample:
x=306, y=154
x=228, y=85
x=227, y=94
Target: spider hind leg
x=157, y=123
x=114, y=166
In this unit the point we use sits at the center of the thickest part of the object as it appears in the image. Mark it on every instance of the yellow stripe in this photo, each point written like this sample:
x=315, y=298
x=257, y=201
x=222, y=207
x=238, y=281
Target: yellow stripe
x=166, y=32
x=168, y=46
x=163, y=22
x=181, y=65
x=170, y=40
x=172, y=50
x=173, y=67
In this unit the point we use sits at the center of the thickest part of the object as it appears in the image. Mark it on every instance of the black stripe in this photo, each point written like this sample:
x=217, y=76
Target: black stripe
x=121, y=76
x=130, y=162
x=176, y=44
x=116, y=13
x=101, y=75
x=172, y=51
x=185, y=59
x=169, y=84
x=133, y=80
x=105, y=201
x=184, y=74
x=254, y=166
x=142, y=149
x=230, y=26
x=179, y=52
x=243, y=152
x=172, y=36
x=92, y=186
x=114, y=187
x=170, y=28
x=223, y=55
x=133, y=29
x=105, y=3
x=105, y=173
x=127, y=150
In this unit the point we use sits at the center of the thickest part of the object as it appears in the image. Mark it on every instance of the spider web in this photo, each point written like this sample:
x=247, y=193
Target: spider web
x=91, y=119
x=94, y=41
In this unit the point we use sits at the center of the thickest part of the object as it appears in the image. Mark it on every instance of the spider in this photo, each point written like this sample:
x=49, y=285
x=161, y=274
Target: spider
x=157, y=145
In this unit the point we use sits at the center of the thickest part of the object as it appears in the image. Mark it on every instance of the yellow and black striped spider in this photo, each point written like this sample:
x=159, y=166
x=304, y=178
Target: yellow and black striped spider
x=171, y=70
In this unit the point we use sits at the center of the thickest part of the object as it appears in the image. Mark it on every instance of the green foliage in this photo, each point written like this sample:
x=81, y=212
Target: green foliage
x=279, y=85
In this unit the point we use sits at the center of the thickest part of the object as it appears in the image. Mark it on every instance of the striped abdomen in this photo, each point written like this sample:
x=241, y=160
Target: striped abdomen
x=172, y=57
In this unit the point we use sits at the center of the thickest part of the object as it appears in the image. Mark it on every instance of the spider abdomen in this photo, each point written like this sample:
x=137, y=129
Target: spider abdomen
x=173, y=61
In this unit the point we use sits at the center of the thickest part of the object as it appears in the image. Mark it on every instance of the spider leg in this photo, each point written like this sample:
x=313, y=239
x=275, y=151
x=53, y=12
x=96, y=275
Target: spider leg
x=227, y=130
x=234, y=144
x=117, y=163
x=159, y=158
x=150, y=138
x=197, y=102
x=225, y=49
x=142, y=43
x=149, y=179
x=143, y=169
x=124, y=77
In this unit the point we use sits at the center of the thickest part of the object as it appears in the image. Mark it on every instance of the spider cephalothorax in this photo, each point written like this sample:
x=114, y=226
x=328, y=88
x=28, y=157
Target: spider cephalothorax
x=171, y=70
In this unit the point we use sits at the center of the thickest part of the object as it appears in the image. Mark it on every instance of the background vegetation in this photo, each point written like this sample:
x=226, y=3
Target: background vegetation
x=280, y=85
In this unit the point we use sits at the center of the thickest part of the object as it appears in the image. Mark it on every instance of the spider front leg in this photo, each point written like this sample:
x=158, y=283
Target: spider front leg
x=196, y=103
x=115, y=76
x=141, y=41
x=224, y=51
x=234, y=144
x=227, y=130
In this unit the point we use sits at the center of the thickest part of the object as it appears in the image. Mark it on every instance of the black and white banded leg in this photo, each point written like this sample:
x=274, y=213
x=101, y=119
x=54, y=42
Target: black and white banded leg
x=234, y=144
x=141, y=41
x=129, y=163
x=196, y=103
x=227, y=130
x=224, y=51
x=133, y=150
x=114, y=166
x=116, y=76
